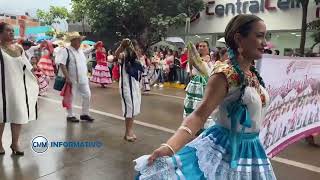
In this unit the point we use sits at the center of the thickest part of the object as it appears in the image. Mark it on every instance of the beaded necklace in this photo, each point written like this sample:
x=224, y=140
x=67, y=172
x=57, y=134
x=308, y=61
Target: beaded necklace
x=252, y=80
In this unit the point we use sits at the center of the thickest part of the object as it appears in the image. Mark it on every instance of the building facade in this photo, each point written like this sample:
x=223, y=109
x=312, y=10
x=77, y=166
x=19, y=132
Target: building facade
x=19, y=22
x=282, y=17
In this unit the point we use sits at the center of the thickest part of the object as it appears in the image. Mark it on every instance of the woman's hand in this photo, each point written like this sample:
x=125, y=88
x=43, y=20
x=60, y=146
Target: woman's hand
x=160, y=152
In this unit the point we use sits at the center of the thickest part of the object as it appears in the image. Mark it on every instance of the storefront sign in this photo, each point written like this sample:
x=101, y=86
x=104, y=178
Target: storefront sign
x=241, y=7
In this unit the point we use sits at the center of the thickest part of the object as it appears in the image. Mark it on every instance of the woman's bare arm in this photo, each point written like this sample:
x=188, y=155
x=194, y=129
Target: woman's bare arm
x=215, y=92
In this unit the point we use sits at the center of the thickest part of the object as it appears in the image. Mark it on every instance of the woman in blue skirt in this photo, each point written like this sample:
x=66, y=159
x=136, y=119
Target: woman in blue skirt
x=231, y=149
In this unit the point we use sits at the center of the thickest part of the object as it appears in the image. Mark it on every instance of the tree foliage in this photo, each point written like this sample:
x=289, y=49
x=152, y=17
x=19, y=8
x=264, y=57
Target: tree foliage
x=53, y=16
x=145, y=20
x=315, y=27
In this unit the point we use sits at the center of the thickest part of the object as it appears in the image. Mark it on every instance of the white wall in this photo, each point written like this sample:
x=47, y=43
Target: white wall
x=286, y=40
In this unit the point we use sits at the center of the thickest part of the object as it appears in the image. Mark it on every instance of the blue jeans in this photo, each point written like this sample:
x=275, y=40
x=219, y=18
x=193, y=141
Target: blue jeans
x=161, y=75
x=184, y=78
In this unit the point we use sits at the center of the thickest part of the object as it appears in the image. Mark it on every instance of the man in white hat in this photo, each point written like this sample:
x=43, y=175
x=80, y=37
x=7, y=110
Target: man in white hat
x=76, y=74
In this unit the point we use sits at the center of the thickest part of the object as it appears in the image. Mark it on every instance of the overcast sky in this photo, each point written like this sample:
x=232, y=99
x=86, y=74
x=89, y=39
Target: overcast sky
x=22, y=6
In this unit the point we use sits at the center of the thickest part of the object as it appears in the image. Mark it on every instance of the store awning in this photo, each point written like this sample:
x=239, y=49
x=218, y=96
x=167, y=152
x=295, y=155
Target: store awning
x=38, y=30
x=33, y=30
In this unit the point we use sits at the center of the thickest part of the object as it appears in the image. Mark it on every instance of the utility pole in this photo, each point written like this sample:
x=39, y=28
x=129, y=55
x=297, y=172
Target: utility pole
x=188, y=21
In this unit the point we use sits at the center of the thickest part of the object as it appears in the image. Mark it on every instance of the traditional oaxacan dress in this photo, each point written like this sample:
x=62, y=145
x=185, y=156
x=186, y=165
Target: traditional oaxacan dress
x=228, y=150
x=101, y=73
x=43, y=81
x=116, y=71
x=130, y=91
x=46, y=63
x=145, y=81
x=194, y=93
x=19, y=90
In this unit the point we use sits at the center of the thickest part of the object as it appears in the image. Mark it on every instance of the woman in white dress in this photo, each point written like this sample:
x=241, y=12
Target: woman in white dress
x=129, y=85
x=145, y=81
x=19, y=88
x=230, y=149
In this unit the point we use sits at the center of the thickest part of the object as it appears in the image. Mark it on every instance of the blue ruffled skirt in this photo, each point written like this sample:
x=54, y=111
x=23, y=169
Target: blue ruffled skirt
x=208, y=157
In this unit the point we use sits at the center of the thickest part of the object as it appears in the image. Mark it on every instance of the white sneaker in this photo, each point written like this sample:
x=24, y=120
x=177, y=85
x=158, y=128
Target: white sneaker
x=155, y=85
x=161, y=85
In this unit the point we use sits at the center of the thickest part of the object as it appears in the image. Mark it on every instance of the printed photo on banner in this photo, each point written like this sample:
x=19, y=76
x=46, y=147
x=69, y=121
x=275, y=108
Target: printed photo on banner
x=294, y=112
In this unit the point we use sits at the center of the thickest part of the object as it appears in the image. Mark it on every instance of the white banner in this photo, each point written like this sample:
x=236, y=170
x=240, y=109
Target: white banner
x=294, y=87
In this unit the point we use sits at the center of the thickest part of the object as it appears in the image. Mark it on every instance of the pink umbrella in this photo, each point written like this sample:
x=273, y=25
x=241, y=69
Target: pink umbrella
x=269, y=45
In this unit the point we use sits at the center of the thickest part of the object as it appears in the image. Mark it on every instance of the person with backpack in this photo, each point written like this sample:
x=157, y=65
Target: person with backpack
x=73, y=64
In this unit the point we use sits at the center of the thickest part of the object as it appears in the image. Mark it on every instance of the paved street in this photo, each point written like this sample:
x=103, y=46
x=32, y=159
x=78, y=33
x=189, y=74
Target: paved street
x=161, y=114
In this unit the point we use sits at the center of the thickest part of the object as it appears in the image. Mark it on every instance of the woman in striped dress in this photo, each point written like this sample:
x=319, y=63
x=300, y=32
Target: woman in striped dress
x=129, y=85
x=196, y=86
x=145, y=81
x=19, y=88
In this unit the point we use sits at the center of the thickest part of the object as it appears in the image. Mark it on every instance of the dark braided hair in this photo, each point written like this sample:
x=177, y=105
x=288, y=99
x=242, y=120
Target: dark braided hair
x=236, y=66
x=241, y=24
x=254, y=70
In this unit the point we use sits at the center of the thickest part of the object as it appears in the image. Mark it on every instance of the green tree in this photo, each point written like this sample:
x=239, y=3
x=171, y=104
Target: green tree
x=315, y=27
x=145, y=20
x=78, y=13
x=53, y=16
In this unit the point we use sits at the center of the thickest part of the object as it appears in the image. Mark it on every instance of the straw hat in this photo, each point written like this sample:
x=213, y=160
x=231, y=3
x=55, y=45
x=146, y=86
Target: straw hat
x=73, y=35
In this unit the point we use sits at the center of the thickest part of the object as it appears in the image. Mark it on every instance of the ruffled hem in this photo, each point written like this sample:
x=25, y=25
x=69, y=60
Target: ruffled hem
x=49, y=73
x=43, y=82
x=100, y=67
x=99, y=80
x=45, y=67
x=196, y=86
x=101, y=71
x=207, y=157
x=195, y=91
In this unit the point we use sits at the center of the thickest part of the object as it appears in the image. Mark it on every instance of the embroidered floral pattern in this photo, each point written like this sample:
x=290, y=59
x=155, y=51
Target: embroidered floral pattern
x=233, y=77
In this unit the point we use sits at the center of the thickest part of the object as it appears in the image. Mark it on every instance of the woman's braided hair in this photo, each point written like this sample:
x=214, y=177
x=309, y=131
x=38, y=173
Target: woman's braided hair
x=240, y=24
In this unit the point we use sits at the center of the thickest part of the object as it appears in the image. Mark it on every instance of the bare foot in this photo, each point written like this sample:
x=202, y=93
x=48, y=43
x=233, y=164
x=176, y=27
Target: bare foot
x=131, y=137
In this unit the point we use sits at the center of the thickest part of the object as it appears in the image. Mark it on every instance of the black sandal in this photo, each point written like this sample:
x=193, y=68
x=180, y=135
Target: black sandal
x=73, y=119
x=16, y=152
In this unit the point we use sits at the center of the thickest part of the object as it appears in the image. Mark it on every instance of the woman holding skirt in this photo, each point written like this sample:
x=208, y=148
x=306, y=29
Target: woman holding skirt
x=230, y=149
x=101, y=73
x=46, y=63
